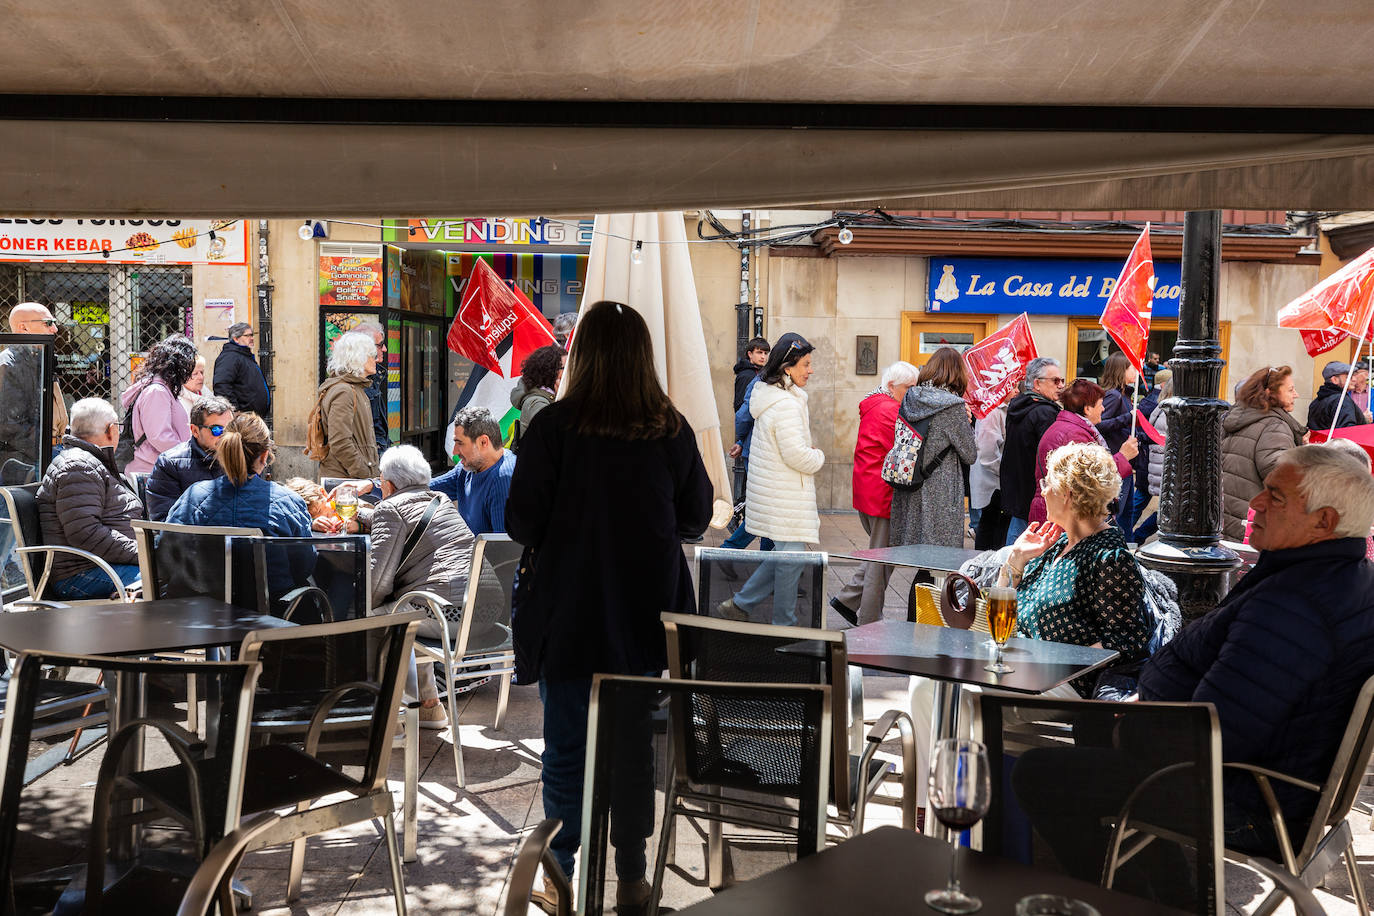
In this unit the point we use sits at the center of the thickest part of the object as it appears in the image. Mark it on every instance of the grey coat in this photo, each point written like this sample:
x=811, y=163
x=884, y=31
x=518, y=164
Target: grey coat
x=83, y=503
x=934, y=514
x=1252, y=441
x=439, y=563
x=1160, y=421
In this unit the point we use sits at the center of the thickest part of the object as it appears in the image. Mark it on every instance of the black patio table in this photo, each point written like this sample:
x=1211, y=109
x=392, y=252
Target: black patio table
x=886, y=872
x=930, y=557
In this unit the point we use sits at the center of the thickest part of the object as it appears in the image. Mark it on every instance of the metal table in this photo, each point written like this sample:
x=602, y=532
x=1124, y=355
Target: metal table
x=933, y=559
x=886, y=872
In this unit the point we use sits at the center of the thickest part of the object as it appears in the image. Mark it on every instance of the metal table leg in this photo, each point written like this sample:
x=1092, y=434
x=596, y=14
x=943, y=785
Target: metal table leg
x=129, y=702
x=944, y=724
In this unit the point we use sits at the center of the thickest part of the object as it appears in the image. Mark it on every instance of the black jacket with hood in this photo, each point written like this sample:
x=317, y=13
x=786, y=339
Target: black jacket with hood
x=744, y=374
x=1028, y=416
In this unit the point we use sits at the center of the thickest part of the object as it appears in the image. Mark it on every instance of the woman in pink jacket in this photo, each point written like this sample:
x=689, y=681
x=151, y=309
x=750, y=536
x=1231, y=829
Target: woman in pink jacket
x=1082, y=403
x=159, y=422
x=861, y=601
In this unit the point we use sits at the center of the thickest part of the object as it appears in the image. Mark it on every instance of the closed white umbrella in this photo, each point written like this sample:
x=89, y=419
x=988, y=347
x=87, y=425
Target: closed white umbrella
x=655, y=279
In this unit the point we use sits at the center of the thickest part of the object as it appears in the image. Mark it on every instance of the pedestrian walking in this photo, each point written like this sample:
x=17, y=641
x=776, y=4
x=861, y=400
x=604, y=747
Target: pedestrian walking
x=1118, y=408
x=1028, y=416
x=237, y=376
x=1254, y=434
x=154, y=416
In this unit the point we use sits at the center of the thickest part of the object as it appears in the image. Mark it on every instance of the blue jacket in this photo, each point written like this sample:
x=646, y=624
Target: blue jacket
x=257, y=504
x=1281, y=659
x=173, y=474
x=744, y=420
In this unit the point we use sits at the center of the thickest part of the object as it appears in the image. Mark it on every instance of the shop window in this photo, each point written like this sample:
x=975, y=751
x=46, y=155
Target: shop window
x=1089, y=346
x=922, y=335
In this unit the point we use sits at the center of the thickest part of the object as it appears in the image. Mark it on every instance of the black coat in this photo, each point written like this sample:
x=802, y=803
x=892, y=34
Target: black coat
x=606, y=518
x=744, y=374
x=376, y=398
x=239, y=380
x=1323, y=408
x=174, y=472
x=1028, y=416
x=1281, y=659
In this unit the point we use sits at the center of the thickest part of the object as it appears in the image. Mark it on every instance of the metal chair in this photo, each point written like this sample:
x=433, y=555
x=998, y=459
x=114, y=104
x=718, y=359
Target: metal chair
x=718, y=729
x=324, y=579
x=709, y=649
x=722, y=572
x=212, y=881
x=138, y=482
x=1328, y=838
x=35, y=557
x=481, y=648
x=1305, y=903
x=144, y=883
x=1075, y=769
x=533, y=853
x=311, y=703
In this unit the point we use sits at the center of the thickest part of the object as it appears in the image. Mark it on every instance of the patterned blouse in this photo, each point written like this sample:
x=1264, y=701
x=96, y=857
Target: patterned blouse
x=1088, y=594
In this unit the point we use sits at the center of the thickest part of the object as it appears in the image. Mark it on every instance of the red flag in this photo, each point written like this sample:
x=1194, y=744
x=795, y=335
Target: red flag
x=1127, y=315
x=1319, y=342
x=1148, y=428
x=997, y=364
x=1343, y=301
x=490, y=312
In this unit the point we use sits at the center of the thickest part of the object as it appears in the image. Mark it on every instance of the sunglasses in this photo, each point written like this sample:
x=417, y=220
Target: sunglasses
x=46, y=322
x=216, y=430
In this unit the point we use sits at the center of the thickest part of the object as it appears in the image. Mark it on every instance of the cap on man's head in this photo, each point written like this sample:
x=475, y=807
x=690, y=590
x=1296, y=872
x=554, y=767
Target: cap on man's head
x=1335, y=369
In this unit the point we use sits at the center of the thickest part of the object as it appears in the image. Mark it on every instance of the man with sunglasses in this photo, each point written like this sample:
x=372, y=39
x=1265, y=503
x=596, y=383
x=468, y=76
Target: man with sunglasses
x=1028, y=416
x=20, y=377
x=237, y=374
x=177, y=468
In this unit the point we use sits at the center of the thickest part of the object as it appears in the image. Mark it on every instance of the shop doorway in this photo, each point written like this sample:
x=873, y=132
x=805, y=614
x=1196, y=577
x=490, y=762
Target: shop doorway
x=923, y=335
x=1089, y=346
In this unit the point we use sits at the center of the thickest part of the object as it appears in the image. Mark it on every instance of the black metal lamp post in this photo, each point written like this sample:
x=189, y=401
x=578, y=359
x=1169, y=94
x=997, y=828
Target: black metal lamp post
x=1189, y=548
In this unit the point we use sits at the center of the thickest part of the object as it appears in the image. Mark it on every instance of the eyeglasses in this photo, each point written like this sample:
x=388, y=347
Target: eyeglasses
x=216, y=430
x=1057, y=380
x=46, y=322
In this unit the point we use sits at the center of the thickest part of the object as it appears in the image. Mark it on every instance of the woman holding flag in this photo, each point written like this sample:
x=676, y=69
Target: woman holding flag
x=1119, y=380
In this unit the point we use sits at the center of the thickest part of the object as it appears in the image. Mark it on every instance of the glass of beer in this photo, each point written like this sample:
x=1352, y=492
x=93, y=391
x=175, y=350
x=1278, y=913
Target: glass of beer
x=1002, y=622
x=346, y=504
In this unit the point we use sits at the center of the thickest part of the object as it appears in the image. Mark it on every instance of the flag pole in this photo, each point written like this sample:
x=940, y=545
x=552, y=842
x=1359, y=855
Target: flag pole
x=1135, y=399
x=1335, y=418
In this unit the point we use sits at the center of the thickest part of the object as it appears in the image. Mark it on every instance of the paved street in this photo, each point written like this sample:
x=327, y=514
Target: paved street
x=468, y=838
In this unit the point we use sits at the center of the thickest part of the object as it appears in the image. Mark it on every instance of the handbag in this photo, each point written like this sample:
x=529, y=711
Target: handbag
x=903, y=468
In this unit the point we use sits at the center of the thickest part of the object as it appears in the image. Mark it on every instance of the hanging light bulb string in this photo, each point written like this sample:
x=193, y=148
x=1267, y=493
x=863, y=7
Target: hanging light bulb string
x=175, y=239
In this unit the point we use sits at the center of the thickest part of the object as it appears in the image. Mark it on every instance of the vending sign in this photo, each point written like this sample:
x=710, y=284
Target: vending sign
x=484, y=231
x=125, y=241
x=351, y=281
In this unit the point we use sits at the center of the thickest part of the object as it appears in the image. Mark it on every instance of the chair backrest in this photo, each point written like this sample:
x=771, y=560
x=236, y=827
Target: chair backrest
x=1347, y=771
x=1069, y=767
x=233, y=682
x=333, y=571
x=711, y=723
x=183, y=561
x=534, y=851
x=722, y=572
x=486, y=622
x=349, y=672
x=711, y=649
x=21, y=509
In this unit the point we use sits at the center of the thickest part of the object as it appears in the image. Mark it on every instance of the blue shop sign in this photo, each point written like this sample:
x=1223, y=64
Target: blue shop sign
x=1008, y=286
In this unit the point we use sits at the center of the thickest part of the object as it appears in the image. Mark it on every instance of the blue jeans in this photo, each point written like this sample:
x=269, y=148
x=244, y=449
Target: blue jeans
x=1125, y=509
x=741, y=540
x=776, y=578
x=1015, y=528
x=632, y=785
x=94, y=583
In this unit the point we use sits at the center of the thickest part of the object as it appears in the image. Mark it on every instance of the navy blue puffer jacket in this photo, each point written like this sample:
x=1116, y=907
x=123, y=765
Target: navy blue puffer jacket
x=257, y=504
x=173, y=474
x=1281, y=659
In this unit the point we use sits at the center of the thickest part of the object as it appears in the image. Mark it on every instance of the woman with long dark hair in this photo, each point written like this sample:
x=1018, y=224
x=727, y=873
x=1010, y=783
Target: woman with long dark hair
x=780, y=496
x=608, y=484
x=1118, y=405
x=159, y=421
x=934, y=514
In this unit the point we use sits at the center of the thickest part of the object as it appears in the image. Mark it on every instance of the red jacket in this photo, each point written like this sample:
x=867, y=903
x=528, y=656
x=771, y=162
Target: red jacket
x=877, y=429
x=1067, y=427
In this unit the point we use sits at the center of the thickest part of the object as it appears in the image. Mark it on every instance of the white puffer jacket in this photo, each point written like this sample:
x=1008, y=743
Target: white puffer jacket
x=781, y=496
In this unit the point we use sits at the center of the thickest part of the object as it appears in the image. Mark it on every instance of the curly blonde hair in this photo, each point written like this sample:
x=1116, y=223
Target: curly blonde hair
x=1086, y=474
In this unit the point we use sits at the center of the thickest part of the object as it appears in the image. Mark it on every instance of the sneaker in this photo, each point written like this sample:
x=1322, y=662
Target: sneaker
x=547, y=897
x=731, y=611
x=433, y=716
x=850, y=617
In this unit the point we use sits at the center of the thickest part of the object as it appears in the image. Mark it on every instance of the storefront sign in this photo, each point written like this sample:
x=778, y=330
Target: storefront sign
x=350, y=281
x=553, y=282
x=538, y=230
x=128, y=241
x=999, y=286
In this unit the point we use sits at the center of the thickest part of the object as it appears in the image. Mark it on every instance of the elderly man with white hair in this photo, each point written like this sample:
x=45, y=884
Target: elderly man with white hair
x=419, y=542
x=1282, y=659
x=83, y=503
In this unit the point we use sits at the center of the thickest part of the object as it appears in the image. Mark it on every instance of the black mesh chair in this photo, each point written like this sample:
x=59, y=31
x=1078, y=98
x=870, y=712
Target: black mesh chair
x=324, y=701
x=478, y=646
x=35, y=557
x=707, y=649
x=718, y=730
x=1327, y=837
x=143, y=882
x=303, y=579
x=1066, y=774
x=722, y=572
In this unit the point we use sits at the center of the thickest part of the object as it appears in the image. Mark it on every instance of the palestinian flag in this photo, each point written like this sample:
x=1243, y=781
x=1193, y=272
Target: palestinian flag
x=496, y=327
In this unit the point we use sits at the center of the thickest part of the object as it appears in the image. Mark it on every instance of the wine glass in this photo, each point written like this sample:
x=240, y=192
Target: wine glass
x=346, y=501
x=960, y=792
x=1002, y=622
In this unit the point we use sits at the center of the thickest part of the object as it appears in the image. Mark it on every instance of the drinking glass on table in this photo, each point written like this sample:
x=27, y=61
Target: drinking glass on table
x=346, y=502
x=960, y=791
x=1002, y=622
